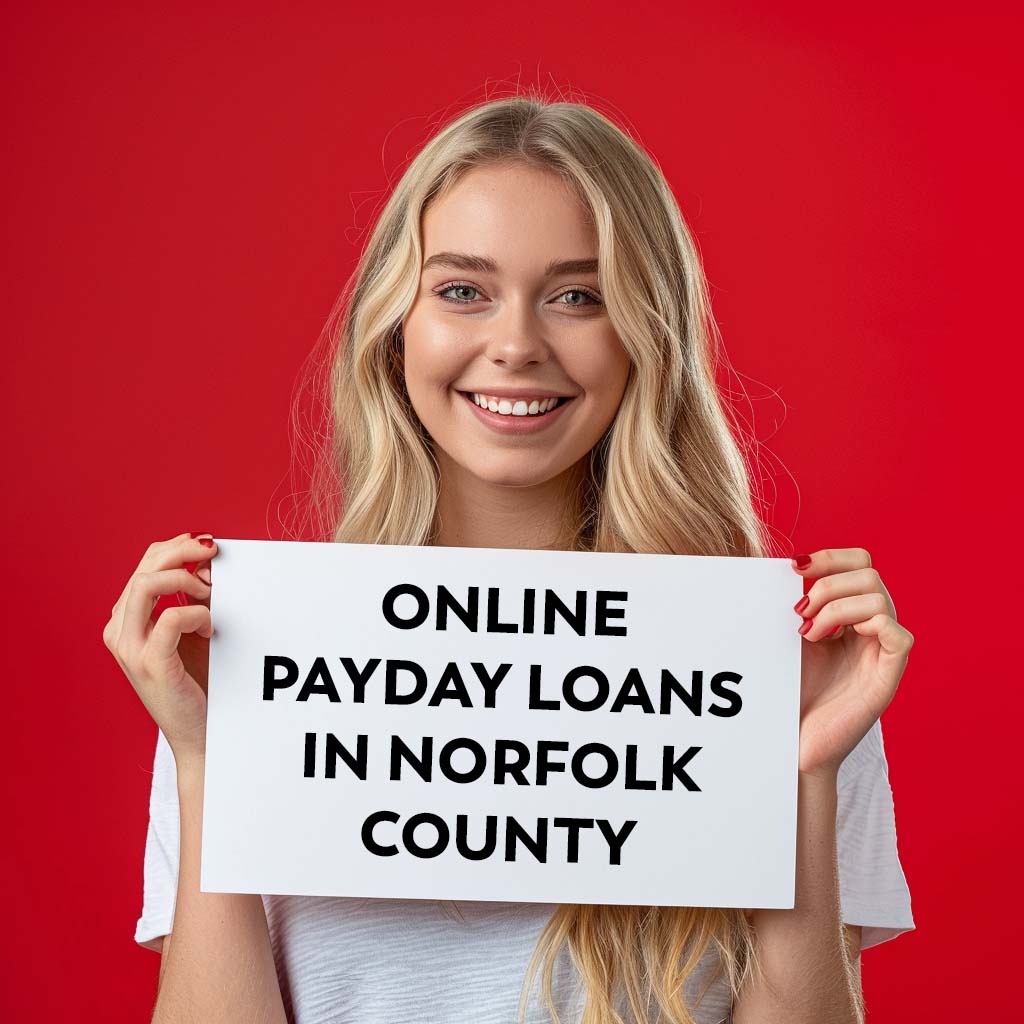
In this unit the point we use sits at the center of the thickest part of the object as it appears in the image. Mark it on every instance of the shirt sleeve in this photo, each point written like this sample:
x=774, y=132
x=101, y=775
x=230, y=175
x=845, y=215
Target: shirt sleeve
x=873, y=888
x=160, y=865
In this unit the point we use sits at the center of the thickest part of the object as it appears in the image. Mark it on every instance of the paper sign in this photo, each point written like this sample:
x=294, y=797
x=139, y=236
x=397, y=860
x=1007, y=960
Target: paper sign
x=484, y=724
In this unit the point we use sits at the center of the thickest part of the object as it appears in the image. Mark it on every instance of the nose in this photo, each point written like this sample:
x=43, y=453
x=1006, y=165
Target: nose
x=516, y=341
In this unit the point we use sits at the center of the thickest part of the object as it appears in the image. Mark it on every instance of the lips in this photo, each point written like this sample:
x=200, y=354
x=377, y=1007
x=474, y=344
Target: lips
x=517, y=417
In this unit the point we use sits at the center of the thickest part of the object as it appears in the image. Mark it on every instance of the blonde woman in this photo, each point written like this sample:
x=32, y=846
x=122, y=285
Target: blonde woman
x=525, y=359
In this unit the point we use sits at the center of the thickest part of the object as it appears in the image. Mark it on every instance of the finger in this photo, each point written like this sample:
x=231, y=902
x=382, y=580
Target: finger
x=895, y=643
x=842, y=584
x=165, y=554
x=830, y=560
x=144, y=591
x=202, y=570
x=161, y=652
x=185, y=549
x=844, y=612
x=894, y=639
x=156, y=556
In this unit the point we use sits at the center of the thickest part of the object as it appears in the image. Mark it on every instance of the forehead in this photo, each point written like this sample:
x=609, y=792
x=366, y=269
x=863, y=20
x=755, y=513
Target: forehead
x=515, y=213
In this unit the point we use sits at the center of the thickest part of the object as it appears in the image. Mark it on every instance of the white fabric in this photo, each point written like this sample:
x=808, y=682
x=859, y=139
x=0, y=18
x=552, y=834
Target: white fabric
x=340, y=959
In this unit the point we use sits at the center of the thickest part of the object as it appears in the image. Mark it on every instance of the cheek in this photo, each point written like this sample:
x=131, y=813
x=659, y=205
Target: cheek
x=602, y=370
x=435, y=354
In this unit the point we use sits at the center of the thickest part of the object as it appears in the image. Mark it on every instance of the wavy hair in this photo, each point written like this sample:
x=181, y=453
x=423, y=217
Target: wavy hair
x=668, y=476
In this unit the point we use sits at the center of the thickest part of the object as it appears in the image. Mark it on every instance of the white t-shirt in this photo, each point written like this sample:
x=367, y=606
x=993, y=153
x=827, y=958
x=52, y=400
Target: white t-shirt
x=343, y=959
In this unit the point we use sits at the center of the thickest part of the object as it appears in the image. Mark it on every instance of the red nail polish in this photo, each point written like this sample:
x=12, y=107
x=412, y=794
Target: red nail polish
x=834, y=630
x=807, y=623
x=191, y=566
x=801, y=604
x=801, y=561
x=207, y=542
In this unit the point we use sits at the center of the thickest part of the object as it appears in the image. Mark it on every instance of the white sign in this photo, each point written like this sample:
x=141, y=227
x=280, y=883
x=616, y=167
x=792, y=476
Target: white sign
x=484, y=724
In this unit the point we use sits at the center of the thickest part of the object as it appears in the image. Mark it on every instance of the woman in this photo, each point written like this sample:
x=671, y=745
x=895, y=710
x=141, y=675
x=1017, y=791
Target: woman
x=525, y=359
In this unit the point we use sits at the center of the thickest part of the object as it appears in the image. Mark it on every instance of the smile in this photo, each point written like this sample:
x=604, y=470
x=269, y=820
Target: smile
x=517, y=413
x=524, y=406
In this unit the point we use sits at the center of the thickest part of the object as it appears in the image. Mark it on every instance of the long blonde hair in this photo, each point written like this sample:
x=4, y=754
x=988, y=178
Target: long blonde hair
x=667, y=477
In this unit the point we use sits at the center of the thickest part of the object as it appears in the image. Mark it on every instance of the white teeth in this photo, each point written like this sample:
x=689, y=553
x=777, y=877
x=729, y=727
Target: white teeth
x=514, y=406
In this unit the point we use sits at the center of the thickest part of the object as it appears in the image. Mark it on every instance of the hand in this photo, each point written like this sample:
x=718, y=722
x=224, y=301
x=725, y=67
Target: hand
x=166, y=659
x=853, y=659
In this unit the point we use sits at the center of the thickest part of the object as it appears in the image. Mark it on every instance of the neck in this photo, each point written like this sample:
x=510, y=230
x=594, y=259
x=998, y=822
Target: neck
x=473, y=513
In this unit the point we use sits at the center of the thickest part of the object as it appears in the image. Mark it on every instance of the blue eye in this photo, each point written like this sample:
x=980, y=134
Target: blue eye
x=457, y=286
x=580, y=291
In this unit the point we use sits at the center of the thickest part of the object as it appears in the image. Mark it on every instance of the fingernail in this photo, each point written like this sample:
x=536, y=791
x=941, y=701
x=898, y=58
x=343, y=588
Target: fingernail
x=834, y=630
x=207, y=542
x=801, y=561
x=204, y=575
x=191, y=566
x=801, y=604
x=806, y=625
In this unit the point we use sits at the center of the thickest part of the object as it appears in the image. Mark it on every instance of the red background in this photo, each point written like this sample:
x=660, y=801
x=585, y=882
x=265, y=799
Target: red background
x=186, y=191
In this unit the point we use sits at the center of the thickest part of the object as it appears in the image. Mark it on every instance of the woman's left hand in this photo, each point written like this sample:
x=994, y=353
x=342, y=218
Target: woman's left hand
x=853, y=659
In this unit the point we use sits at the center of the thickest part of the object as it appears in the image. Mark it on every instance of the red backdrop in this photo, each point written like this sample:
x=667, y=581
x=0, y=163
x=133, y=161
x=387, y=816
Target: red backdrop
x=185, y=191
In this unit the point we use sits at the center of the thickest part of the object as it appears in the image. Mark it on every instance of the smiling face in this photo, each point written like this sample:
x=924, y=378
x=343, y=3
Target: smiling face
x=511, y=361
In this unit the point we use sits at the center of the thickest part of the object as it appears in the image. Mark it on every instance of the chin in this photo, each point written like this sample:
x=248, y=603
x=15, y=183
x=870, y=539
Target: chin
x=511, y=478
x=504, y=472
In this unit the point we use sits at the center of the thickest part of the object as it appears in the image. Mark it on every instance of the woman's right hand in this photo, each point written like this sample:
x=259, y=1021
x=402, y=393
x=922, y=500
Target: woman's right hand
x=166, y=658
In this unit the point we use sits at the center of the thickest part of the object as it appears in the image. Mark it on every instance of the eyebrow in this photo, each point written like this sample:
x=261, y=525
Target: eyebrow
x=485, y=265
